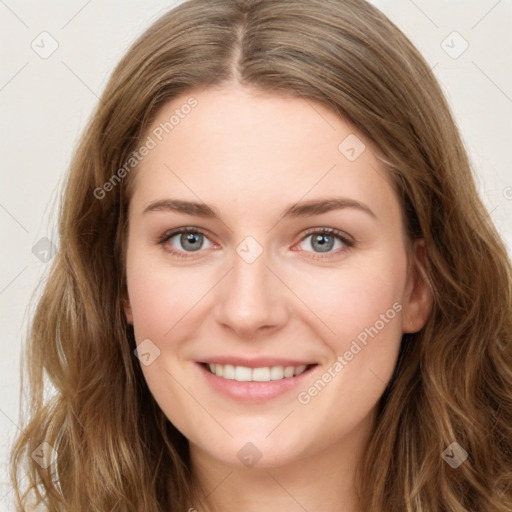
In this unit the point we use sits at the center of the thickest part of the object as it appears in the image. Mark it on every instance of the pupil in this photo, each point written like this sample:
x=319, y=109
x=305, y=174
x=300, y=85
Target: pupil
x=324, y=243
x=192, y=239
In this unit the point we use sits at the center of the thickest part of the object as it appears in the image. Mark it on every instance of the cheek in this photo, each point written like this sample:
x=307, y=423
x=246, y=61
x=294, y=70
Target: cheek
x=362, y=306
x=160, y=294
x=162, y=301
x=353, y=299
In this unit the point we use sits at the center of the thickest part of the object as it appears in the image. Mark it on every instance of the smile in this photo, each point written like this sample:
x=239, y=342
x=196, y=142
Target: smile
x=255, y=381
x=263, y=374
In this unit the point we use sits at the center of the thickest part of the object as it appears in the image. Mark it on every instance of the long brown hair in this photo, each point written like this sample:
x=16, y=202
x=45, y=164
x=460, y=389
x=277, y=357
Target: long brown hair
x=115, y=449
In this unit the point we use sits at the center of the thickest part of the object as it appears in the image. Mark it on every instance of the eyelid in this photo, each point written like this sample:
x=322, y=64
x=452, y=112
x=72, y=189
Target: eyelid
x=342, y=235
x=184, y=229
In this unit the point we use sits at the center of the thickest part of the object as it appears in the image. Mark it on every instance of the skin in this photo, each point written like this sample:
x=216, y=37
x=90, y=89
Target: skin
x=251, y=155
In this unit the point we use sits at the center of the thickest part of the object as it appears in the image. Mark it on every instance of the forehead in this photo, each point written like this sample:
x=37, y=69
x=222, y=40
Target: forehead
x=239, y=148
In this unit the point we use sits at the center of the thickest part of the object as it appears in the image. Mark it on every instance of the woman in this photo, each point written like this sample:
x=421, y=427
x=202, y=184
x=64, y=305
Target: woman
x=277, y=287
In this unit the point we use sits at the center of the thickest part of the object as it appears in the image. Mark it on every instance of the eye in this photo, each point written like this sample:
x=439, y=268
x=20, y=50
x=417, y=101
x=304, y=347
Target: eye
x=325, y=240
x=185, y=240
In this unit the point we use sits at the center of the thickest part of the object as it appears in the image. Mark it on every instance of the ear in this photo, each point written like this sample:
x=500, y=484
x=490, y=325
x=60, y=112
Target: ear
x=418, y=298
x=127, y=308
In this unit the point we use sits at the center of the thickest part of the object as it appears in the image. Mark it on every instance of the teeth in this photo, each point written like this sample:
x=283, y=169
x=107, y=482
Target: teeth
x=276, y=373
x=299, y=370
x=264, y=374
x=243, y=374
x=261, y=374
x=289, y=371
x=227, y=370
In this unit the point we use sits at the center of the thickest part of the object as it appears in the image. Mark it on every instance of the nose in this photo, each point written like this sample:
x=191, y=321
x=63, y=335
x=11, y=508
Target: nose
x=251, y=299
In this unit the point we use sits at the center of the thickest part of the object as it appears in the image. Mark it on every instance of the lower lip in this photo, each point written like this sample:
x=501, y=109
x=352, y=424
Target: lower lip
x=253, y=391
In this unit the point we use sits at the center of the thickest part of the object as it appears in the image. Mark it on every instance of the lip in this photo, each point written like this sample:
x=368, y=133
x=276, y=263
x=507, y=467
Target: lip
x=259, y=362
x=253, y=392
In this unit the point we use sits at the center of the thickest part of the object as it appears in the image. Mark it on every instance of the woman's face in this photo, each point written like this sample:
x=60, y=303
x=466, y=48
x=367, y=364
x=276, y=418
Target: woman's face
x=293, y=281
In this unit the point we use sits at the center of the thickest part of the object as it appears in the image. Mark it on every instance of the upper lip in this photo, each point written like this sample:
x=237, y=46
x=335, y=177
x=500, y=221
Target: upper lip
x=259, y=362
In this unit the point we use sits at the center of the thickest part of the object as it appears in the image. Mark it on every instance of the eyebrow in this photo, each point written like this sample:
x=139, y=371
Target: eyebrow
x=302, y=209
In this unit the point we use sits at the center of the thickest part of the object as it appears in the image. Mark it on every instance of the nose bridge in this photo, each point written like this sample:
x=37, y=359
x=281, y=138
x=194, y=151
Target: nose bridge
x=250, y=296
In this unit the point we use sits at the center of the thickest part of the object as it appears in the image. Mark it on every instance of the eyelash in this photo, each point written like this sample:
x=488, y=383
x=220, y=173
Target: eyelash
x=346, y=240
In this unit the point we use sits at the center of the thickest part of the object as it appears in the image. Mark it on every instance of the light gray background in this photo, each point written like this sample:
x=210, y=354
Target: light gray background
x=45, y=102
